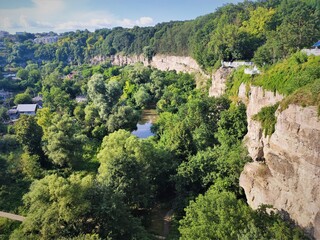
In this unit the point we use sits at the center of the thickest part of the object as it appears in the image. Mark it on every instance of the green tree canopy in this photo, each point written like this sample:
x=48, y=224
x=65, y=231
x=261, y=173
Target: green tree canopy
x=29, y=134
x=22, y=98
x=64, y=142
x=60, y=207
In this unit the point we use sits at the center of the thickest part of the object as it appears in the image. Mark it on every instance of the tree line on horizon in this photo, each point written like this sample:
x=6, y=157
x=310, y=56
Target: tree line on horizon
x=264, y=31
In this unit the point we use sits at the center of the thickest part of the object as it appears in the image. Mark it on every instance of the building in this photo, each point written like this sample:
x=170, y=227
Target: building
x=27, y=109
x=38, y=100
x=46, y=40
x=315, y=50
x=3, y=34
x=235, y=64
x=252, y=71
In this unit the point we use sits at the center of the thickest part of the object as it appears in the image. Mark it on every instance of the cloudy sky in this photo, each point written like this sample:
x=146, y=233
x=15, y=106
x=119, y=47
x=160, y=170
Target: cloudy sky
x=69, y=15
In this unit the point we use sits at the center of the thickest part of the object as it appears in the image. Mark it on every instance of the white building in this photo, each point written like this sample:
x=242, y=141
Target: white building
x=27, y=109
x=252, y=71
x=46, y=40
x=235, y=64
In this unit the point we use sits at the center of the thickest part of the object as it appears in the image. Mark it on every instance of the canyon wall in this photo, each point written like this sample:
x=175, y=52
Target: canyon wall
x=159, y=61
x=218, y=84
x=285, y=171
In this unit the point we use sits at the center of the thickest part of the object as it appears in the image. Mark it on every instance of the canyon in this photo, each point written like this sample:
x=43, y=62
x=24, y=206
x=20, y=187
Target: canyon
x=285, y=167
x=162, y=62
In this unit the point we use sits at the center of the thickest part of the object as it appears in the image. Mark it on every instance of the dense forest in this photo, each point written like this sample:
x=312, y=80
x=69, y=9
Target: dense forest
x=75, y=171
x=265, y=31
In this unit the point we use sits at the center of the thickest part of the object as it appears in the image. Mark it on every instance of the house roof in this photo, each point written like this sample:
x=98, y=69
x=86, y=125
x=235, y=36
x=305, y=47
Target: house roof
x=317, y=44
x=27, y=107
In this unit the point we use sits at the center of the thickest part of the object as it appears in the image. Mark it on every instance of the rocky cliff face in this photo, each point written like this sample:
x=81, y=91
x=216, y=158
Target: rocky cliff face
x=218, y=85
x=161, y=62
x=285, y=172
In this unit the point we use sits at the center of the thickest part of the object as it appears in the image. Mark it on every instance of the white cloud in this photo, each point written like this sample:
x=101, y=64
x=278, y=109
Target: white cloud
x=145, y=21
x=106, y=22
x=91, y=24
x=5, y=23
x=23, y=21
x=60, y=16
x=45, y=7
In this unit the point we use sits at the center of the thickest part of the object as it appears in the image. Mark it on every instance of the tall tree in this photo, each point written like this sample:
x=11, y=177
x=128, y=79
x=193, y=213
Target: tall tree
x=29, y=134
x=124, y=167
x=60, y=207
x=65, y=141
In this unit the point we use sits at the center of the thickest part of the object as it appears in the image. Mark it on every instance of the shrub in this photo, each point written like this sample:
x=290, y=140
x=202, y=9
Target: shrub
x=267, y=118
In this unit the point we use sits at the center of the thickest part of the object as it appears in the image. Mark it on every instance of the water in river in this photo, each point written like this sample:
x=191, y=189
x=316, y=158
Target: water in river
x=148, y=117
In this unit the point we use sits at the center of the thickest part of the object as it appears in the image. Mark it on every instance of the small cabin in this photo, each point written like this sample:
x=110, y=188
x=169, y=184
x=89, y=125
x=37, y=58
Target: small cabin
x=27, y=109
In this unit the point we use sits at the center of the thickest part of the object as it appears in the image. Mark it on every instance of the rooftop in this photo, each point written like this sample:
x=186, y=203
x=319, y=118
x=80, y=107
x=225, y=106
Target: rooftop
x=27, y=107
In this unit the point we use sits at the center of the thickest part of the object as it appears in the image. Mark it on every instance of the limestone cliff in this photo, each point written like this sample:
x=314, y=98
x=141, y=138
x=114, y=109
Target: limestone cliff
x=285, y=172
x=218, y=85
x=161, y=62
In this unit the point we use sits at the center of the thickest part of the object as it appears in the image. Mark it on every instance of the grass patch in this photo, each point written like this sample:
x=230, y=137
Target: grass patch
x=235, y=79
x=7, y=226
x=267, y=118
x=291, y=74
x=308, y=95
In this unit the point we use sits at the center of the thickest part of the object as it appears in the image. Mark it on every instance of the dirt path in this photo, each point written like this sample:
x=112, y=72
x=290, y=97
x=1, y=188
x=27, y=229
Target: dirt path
x=12, y=216
x=166, y=223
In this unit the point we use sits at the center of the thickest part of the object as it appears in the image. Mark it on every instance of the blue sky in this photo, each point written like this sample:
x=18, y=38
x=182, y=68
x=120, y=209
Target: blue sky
x=69, y=15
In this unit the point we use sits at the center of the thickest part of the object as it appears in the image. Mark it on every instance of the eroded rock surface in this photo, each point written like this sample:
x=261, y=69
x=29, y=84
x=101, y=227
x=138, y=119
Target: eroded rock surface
x=219, y=78
x=289, y=175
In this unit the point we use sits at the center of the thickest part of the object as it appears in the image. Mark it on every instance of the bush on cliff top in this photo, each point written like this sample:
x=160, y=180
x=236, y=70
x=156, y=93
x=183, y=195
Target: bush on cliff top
x=290, y=74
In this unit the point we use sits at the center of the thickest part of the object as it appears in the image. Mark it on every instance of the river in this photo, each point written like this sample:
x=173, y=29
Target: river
x=148, y=117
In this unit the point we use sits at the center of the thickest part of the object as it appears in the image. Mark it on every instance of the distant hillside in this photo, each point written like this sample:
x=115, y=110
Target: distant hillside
x=265, y=31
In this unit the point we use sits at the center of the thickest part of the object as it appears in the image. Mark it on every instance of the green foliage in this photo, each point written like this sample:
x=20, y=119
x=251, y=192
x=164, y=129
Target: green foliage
x=216, y=215
x=103, y=95
x=22, y=98
x=220, y=215
x=56, y=99
x=267, y=118
x=128, y=166
x=197, y=141
x=31, y=166
x=29, y=134
x=291, y=74
x=125, y=118
x=12, y=182
x=308, y=95
x=23, y=74
x=193, y=127
x=234, y=81
x=6, y=227
x=65, y=142
x=142, y=97
x=8, y=143
x=232, y=125
x=62, y=208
